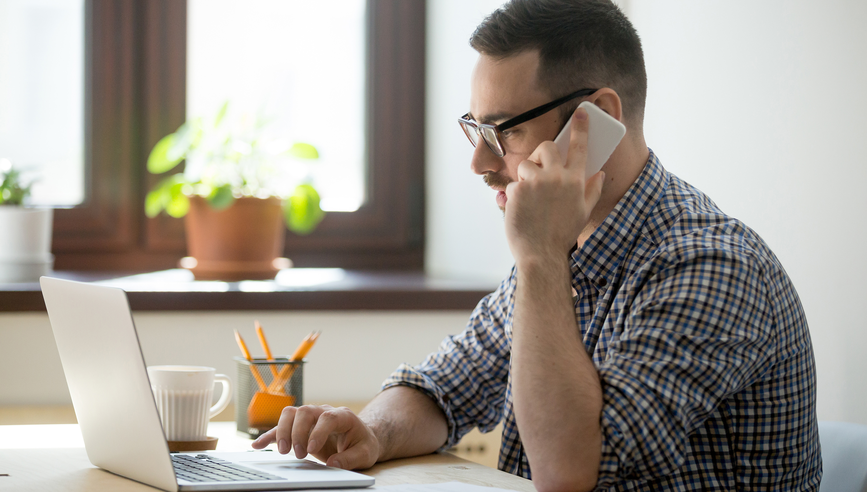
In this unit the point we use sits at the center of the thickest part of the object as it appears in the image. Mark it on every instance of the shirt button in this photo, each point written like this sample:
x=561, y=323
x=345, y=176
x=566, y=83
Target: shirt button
x=601, y=282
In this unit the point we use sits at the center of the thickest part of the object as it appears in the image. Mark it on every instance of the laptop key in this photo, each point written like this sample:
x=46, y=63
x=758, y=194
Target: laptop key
x=204, y=468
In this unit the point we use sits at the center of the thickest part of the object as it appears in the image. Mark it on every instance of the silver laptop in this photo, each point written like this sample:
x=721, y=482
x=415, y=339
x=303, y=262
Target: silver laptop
x=111, y=393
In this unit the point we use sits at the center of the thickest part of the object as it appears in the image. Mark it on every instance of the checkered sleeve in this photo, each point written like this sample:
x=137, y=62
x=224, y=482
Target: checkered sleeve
x=468, y=375
x=699, y=330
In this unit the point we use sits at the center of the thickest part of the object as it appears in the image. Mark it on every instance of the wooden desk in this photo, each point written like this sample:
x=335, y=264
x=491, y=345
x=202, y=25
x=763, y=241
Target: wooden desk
x=52, y=457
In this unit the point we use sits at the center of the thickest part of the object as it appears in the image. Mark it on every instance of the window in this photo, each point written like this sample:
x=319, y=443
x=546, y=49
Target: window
x=135, y=93
x=42, y=96
x=298, y=65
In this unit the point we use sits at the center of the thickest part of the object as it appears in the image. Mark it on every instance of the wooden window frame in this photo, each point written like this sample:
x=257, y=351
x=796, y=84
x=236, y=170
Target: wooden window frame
x=135, y=93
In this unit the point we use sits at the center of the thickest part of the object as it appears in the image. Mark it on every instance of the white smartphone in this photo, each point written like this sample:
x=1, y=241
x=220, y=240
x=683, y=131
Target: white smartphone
x=603, y=135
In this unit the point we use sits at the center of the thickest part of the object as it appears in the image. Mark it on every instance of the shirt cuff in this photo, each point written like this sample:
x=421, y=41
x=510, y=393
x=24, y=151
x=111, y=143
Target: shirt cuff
x=614, y=464
x=406, y=375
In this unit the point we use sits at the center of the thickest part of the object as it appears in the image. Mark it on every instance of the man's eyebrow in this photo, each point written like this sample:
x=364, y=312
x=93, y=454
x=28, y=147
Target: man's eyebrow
x=491, y=119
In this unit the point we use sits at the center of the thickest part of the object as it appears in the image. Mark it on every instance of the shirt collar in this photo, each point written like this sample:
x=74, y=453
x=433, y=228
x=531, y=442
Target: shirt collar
x=600, y=255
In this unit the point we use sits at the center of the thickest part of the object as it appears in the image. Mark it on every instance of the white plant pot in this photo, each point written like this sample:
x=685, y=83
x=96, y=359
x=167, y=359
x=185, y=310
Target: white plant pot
x=25, y=243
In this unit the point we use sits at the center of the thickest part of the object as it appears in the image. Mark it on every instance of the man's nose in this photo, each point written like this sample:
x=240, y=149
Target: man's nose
x=484, y=160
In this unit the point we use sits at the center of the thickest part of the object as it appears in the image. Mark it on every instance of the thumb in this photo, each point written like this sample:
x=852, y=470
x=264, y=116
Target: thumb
x=355, y=457
x=593, y=189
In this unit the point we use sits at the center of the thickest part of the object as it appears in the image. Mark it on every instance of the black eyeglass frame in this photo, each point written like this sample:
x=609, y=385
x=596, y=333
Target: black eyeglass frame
x=496, y=147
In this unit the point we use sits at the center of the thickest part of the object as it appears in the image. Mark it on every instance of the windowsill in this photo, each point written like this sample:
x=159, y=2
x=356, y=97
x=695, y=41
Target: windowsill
x=319, y=289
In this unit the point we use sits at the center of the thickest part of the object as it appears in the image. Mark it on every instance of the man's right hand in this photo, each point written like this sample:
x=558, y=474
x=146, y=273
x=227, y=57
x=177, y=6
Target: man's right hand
x=336, y=436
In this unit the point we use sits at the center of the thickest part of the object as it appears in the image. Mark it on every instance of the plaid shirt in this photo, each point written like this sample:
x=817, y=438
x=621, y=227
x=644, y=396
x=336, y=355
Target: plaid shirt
x=699, y=339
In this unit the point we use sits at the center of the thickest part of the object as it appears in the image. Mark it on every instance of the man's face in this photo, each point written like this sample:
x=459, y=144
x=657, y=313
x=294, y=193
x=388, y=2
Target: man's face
x=501, y=89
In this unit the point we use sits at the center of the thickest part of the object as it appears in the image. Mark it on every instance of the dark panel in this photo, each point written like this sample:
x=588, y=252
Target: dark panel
x=356, y=290
x=274, y=301
x=105, y=221
x=164, y=76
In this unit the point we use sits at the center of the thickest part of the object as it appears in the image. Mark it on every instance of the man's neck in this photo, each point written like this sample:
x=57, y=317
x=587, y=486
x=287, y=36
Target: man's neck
x=622, y=169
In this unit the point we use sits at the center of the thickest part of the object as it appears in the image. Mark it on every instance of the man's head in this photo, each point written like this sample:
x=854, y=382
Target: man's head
x=535, y=51
x=581, y=43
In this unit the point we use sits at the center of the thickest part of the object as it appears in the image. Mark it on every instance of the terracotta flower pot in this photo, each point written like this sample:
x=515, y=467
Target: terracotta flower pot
x=240, y=242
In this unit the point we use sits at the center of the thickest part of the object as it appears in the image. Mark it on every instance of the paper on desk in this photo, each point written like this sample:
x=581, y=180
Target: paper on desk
x=441, y=487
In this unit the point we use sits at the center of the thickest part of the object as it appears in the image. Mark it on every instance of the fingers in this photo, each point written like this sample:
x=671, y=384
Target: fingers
x=334, y=421
x=284, y=429
x=545, y=155
x=293, y=428
x=357, y=457
x=527, y=170
x=305, y=418
x=265, y=439
x=577, y=158
x=334, y=435
x=356, y=446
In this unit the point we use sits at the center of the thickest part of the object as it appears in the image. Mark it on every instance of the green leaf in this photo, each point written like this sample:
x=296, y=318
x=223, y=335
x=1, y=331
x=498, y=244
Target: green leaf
x=155, y=201
x=168, y=196
x=302, y=211
x=183, y=141
x=12, y=190
x=221, y=113
x=303, y=150
x=178, y=206
x=163, y=158
x=221, y=197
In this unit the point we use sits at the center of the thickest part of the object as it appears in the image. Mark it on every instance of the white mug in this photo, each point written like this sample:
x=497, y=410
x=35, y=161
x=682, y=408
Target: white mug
x=183, y=395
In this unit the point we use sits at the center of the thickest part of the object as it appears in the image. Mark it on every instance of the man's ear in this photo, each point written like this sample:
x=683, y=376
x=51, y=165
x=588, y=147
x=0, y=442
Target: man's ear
x=608, y=101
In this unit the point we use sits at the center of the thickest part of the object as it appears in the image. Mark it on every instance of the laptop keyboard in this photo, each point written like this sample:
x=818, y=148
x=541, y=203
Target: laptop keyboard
x=205, y=468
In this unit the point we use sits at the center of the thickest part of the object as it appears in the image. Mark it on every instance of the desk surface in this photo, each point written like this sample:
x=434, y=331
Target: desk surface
x=26, y=449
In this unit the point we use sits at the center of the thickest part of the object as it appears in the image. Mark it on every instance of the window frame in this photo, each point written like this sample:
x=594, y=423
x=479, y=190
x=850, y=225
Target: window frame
x=135, y=93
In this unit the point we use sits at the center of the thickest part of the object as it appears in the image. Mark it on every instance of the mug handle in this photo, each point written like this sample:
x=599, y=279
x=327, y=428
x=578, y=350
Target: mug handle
x=225, y=395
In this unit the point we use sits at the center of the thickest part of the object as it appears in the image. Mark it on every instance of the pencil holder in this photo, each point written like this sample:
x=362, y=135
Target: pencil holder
x=264, y=388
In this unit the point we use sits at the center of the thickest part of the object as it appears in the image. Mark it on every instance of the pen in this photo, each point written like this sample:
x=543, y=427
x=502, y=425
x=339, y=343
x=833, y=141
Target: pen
x=246, y=354
x=299, y=354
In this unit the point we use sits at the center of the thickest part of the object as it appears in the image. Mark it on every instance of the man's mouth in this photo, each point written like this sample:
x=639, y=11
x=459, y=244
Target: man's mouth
x=498, y=183
x=501, y=199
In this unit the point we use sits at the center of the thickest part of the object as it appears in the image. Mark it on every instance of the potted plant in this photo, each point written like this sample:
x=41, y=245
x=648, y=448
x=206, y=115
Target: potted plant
x=25, y=233
x=236, y=190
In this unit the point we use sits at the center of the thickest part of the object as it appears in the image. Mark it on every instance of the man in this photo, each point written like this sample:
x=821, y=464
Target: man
x=665, y=349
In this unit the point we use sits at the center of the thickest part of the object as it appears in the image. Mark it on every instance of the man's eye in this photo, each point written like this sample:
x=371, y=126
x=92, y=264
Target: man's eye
x=507, y=133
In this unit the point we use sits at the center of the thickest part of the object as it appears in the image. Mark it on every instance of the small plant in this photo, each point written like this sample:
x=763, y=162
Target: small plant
x=228, y=159
x=12, y=190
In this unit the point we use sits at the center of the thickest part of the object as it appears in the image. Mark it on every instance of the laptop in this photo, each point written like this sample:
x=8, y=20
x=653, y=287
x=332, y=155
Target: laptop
x=117, y=414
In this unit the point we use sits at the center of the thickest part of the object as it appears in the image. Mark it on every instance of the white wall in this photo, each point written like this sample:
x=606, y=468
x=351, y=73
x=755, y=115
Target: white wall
x=760, y=104
x=465, y=235
x=355, y=353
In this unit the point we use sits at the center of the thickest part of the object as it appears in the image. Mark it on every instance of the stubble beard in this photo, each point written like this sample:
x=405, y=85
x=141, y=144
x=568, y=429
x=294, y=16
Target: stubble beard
x=496, y=180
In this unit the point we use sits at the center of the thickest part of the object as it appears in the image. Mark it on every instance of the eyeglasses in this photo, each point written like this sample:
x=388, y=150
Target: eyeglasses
x=491, y=133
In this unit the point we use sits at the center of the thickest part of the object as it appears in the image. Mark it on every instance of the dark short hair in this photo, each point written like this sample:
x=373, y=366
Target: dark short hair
x=581, y=44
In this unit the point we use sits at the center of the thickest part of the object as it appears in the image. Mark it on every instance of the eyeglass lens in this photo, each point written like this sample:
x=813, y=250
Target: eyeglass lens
x=488, y=133
x=470, y=131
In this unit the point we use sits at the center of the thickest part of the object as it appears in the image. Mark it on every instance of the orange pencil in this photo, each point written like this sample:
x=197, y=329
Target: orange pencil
x=299, y=354
x=261, y=334
x=246, y=354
